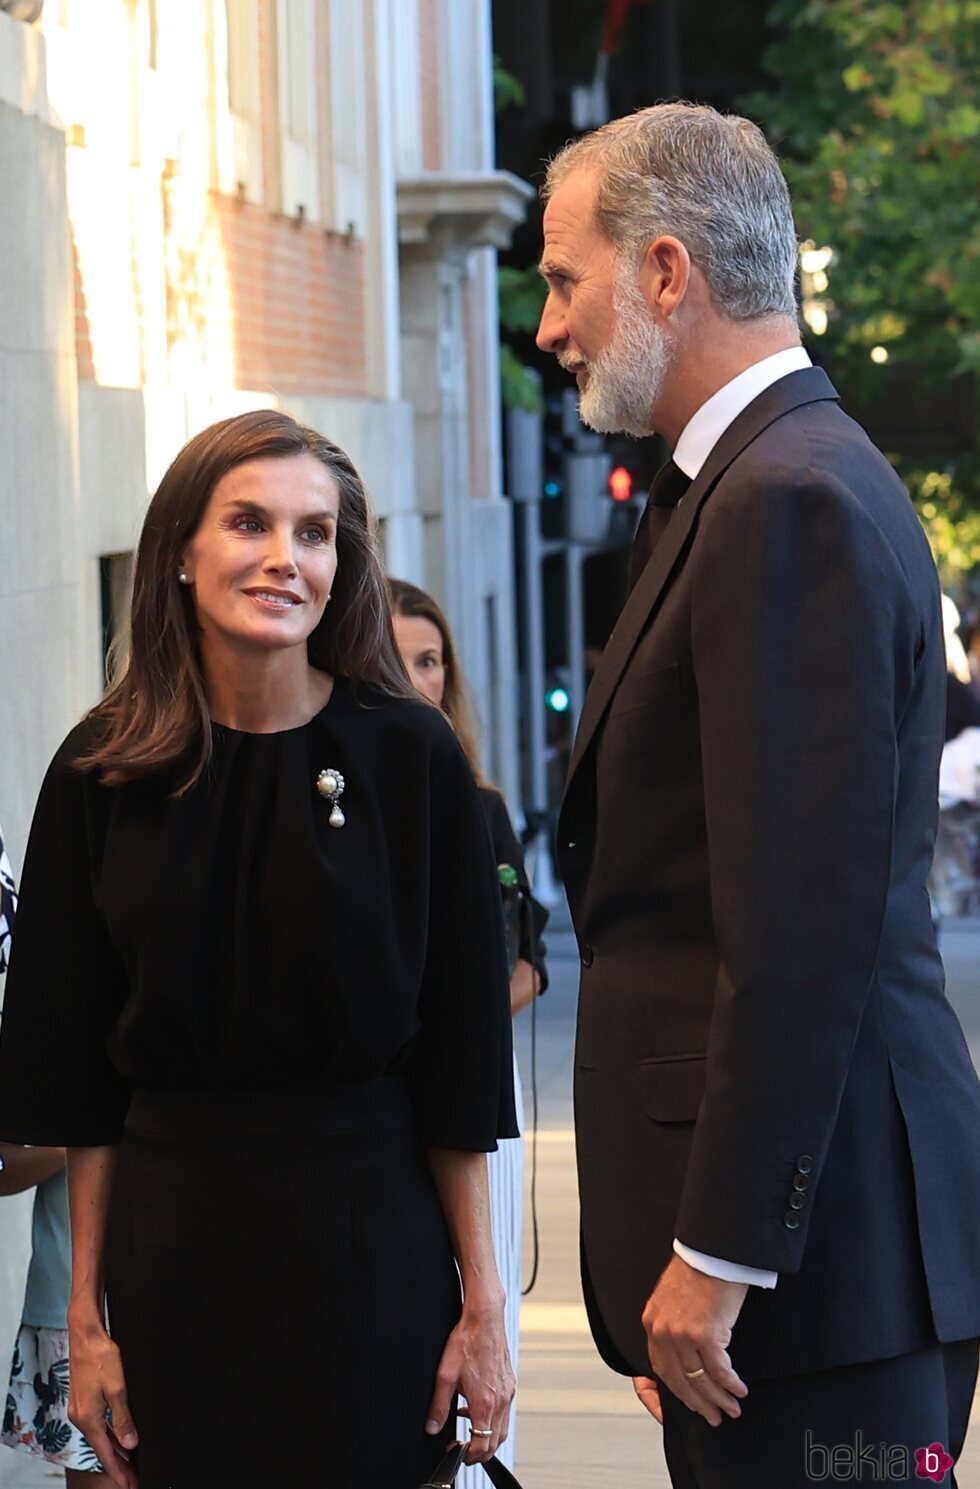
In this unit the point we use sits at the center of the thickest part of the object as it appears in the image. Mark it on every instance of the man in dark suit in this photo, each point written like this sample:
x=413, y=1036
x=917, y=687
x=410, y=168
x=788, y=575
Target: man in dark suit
x=778, y=1120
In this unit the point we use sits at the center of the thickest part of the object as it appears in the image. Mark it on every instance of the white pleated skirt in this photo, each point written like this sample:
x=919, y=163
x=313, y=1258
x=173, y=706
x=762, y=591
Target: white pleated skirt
x=506, y=1174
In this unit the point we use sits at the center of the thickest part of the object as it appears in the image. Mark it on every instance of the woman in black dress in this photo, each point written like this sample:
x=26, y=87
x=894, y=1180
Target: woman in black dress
x=273, y=1014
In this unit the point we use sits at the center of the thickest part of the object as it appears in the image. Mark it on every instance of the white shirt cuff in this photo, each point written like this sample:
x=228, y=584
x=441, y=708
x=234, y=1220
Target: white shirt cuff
x=714, y=1266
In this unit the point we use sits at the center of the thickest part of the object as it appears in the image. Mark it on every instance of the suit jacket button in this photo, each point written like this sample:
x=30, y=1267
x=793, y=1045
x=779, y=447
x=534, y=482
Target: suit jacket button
x=804, y=1165
x=797, y=1200
x=791, y=1220
x=588, y=955
x=800, y=1181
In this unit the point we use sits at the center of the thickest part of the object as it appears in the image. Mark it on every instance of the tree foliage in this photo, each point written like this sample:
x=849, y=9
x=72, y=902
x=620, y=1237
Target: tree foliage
x=878, y=116
x=521, y=297
x=507, y=89
x=877, y=120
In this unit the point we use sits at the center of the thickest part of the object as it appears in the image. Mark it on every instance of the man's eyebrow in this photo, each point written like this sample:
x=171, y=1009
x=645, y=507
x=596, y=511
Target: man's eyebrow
x=548, y=268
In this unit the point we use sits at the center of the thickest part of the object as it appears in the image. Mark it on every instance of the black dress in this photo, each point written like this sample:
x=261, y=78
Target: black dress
x=273, y=1016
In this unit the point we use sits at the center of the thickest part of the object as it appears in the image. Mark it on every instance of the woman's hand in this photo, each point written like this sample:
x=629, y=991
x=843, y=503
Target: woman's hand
x=97, y=1385
x=648, y=1392
x=476, y=1363
x=524, y=984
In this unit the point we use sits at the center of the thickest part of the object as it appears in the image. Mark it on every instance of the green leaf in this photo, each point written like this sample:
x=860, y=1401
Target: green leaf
x=507, y=89
x=963, y=123
x=856, y=77
x=909, y=107
x=519, y=388
x=521, y=295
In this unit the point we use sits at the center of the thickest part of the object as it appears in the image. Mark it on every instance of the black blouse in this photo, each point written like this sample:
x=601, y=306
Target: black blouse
x=232, y=939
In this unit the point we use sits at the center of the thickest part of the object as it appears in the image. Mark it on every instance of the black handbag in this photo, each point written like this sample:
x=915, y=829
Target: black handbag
x=445, y=1475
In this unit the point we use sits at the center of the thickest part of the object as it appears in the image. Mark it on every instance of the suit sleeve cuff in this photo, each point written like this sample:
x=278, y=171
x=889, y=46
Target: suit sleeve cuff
x=714, y=1266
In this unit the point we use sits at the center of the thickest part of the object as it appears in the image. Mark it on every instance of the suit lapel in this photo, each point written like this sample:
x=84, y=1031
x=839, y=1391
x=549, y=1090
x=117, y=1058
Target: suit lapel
x=809, y=385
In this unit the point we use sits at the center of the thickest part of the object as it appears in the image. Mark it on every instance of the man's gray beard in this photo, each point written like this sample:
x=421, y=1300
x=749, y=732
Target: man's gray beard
x=626, y=377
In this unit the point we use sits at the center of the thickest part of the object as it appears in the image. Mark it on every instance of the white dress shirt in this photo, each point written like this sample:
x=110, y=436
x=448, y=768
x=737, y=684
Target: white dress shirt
x=697, y=440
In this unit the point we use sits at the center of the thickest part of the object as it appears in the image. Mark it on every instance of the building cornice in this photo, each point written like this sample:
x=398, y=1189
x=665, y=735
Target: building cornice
x=461, y=210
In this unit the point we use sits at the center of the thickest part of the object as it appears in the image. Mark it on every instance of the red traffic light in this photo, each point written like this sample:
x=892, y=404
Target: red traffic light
x=621, y=484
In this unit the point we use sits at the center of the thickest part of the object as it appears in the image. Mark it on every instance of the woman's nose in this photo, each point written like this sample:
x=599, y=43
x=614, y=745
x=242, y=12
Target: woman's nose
x=280, y=558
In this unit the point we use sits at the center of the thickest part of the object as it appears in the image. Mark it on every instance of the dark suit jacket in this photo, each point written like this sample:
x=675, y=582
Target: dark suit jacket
x=766, y=1064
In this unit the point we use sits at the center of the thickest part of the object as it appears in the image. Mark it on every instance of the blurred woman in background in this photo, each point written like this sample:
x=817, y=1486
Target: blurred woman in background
x=35, y=1417
x=428, y=651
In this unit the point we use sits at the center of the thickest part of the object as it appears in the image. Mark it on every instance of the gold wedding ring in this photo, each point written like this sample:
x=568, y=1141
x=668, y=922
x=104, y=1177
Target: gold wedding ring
x=481, y=1432
x=695, y=1374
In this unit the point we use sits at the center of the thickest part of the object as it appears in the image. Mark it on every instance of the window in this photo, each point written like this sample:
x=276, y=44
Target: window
x=115, y=583
x=238, y=91
x=347, y=142
x=406, y=77
x=297, y=47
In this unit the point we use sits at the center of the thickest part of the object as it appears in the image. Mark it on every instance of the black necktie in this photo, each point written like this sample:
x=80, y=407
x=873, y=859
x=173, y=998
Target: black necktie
x=669, y=485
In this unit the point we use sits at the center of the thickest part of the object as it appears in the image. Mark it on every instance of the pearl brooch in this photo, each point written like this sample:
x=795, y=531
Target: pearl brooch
x=330, y=784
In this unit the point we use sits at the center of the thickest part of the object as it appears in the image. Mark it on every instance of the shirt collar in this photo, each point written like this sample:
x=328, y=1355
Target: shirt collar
x=702, y=432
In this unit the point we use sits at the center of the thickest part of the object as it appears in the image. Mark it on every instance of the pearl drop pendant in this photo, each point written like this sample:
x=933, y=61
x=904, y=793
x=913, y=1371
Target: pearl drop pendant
x=330, y=784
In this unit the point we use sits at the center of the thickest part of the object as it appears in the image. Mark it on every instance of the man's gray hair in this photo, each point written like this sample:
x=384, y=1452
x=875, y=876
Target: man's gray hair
x=710, y=180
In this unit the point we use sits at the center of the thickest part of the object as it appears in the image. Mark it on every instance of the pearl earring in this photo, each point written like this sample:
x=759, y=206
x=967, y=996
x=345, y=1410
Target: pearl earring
x=183, y=577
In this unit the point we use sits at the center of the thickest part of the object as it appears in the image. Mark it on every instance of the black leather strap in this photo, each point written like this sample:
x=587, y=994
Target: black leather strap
x=445, y=1475
x=499, y=1476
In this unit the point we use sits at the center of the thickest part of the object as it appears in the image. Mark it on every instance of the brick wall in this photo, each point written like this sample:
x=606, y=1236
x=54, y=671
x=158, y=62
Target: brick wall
x=297, y=302
x=253, y=299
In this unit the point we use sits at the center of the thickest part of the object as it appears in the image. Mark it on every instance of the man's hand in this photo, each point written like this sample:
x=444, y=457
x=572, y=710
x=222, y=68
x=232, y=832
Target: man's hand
x=689, y=1320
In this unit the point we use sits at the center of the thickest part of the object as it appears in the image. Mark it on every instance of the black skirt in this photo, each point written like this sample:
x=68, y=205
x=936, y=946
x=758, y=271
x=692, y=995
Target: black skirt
x=281, y=1286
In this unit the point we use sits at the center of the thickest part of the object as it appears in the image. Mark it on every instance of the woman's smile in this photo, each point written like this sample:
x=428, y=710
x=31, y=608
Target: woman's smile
x=274, y=599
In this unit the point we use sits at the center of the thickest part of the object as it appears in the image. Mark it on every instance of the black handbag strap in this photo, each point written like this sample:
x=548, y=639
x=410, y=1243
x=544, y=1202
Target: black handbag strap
x=445, y=1475
x=499, y=1476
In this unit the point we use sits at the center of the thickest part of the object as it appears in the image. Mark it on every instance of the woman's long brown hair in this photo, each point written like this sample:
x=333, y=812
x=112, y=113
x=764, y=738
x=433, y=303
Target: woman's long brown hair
x=413, y=603
x=155, y=714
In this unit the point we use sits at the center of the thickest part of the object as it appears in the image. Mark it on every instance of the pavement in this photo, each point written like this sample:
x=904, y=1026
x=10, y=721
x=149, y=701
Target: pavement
x=579, y=1426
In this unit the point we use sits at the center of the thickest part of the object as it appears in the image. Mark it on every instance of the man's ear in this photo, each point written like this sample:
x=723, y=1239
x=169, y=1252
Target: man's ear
x=665, y=275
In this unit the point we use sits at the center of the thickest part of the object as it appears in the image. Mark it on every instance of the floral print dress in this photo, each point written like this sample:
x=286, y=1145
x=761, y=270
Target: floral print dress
x=35, y=1418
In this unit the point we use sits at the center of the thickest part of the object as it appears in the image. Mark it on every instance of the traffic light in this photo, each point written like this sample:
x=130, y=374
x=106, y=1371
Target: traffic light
x=621, y=484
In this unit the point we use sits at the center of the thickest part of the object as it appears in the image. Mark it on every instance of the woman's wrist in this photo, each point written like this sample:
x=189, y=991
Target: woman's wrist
x=482, y=1300
x=86, y=1317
